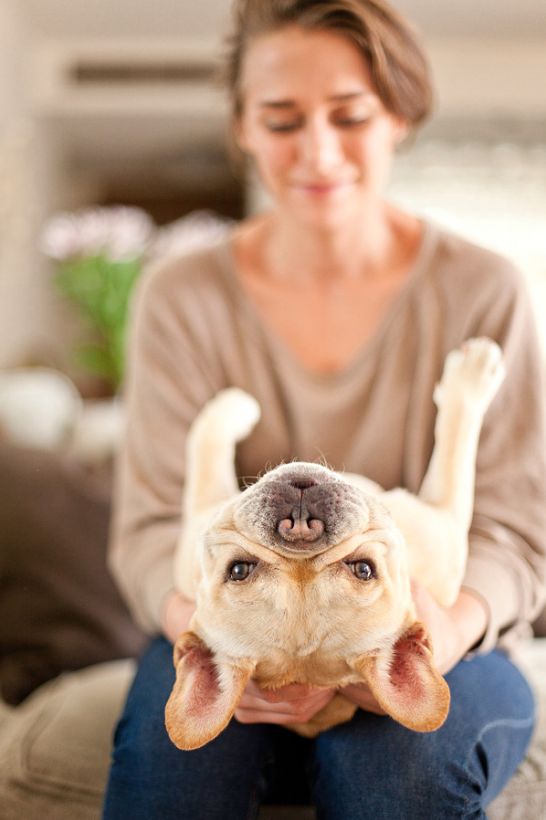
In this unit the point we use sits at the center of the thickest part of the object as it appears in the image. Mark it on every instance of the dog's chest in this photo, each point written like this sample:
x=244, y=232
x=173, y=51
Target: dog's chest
x=317, y=668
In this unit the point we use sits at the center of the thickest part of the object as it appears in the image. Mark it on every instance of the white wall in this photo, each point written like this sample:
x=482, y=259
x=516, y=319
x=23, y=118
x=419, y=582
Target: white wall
x=477, y=76
x=14, y=182
x=95, y=18
x=29, y=310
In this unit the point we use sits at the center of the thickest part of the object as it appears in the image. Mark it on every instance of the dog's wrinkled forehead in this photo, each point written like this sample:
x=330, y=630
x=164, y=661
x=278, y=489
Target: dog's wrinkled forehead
x=305, y=508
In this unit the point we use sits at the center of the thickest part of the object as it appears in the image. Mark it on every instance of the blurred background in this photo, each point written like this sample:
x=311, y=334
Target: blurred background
x=105, y=103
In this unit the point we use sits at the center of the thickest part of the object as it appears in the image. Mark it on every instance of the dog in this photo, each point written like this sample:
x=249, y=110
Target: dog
x=304, y=576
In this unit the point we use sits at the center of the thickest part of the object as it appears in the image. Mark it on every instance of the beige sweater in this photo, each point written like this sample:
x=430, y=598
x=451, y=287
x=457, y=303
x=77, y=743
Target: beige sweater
x=195, y=332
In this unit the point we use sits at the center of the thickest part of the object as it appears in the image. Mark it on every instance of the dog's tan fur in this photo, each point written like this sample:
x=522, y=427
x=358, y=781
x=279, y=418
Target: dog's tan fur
x=302, y=616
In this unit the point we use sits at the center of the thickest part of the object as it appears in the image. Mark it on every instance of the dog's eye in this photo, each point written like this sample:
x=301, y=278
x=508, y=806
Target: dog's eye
x=363, y=570
x=240, y=570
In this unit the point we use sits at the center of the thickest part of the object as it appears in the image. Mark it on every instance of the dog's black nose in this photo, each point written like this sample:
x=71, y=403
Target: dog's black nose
x=300, y=529
x=302, y=483
x=301, y=524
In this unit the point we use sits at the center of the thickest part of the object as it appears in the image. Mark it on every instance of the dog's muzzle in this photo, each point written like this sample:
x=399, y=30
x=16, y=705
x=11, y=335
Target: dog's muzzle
x=304, y=510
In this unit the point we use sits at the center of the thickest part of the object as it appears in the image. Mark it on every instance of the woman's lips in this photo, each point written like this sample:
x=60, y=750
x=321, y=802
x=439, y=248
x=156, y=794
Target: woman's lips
x=321, y=188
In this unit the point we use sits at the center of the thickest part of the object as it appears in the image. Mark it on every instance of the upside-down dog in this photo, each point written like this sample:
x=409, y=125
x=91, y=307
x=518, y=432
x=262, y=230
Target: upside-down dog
x=304, y=577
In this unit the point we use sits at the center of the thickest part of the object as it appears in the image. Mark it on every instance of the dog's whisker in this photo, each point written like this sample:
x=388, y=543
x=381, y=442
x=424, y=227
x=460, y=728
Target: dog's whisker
x=321, y=457
x=248, y=480
x=323, y=461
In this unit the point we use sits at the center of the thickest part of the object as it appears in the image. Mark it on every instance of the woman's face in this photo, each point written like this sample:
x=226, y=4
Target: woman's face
x=321, y=138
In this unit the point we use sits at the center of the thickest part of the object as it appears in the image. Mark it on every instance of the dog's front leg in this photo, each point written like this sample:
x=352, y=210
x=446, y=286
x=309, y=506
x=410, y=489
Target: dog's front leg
x=439, y=545
x=210, y=473
x=472, y=375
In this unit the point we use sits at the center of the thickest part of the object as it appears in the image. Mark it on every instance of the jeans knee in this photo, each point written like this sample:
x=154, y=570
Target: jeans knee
x=411, y=779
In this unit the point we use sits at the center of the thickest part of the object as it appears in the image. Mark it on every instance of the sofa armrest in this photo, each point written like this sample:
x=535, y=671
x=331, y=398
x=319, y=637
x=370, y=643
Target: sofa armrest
x=55, y=747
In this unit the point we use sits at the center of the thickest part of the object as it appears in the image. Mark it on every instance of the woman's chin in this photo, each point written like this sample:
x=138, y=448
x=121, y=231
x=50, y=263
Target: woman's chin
x=327, y=211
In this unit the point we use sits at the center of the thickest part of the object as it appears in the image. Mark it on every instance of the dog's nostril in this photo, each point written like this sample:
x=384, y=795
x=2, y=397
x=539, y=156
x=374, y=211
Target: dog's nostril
x=292, y=529
x=302, y=483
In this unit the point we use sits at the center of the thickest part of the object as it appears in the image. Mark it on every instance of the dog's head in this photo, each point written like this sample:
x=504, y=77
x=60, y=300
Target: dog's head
x=305, y=580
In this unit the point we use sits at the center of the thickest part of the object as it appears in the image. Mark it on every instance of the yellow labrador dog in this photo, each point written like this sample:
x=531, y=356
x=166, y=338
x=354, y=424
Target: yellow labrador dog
x=304, y=577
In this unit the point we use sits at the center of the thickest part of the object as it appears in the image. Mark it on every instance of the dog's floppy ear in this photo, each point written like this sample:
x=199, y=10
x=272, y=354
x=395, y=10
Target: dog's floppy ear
x=405, y=683
x=205, y=694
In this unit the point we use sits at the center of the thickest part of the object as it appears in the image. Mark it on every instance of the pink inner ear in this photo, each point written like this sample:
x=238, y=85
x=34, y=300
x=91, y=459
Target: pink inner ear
x=406, y=684
x=409, y=650
x=205, y=693
x=205, y=689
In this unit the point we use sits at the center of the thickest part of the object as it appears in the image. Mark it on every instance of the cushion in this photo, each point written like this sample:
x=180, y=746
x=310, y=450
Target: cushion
x=525, y=796
x=59, y=607
x=55, y=747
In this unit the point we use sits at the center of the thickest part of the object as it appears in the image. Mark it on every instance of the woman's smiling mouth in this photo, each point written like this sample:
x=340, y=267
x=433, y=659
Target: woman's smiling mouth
x=321, y=188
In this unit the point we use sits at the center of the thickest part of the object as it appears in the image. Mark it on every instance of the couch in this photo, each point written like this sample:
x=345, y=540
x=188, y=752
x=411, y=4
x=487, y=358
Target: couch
x=67, y=649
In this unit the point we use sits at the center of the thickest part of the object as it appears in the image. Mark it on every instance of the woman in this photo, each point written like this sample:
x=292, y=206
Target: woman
x=335, y=309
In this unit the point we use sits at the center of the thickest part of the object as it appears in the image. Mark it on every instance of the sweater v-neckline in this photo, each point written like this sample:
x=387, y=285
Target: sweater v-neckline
x=283, y=349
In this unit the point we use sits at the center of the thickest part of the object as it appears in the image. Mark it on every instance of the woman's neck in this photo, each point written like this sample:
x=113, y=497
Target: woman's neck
x=369, y=247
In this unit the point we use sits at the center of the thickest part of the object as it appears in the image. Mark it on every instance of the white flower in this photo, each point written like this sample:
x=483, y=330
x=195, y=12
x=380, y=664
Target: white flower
x=117, y=232
x=60, y=237
x=121, y=232
x=189, y=233
x=129, y=232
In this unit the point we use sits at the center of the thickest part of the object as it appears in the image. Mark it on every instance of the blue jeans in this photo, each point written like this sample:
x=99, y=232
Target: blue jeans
x=370, y=767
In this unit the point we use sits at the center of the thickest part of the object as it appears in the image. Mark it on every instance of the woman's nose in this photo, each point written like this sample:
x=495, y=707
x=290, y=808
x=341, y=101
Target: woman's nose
x=320, y=147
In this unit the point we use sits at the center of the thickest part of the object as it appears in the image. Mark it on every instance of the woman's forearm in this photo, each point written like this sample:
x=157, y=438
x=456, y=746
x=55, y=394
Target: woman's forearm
x=176, y=615
x=453, y=630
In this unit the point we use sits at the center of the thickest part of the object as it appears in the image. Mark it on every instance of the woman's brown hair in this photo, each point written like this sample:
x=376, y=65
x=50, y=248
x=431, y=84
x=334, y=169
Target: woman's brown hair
x=391, y=47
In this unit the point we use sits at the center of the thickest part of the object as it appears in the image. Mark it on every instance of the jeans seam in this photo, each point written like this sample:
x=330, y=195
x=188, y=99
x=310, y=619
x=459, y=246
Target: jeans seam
x=509, y=723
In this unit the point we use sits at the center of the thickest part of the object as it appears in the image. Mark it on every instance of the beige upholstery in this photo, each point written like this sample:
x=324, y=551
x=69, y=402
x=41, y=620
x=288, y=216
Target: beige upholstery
x=55, y=749
x=525, y=796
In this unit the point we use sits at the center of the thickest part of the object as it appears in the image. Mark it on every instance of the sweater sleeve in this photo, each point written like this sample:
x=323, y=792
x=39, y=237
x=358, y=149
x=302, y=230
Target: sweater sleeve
x=507, y=559
x=168, y=381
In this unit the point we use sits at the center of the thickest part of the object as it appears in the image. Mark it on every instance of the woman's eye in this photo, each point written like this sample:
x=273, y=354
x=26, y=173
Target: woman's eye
x=363, y=570
x=348, y=122
x=282, y=127
x=240, y=570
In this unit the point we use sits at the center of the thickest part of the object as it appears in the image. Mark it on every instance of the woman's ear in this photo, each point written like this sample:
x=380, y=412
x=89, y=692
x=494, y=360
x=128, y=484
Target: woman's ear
x=405, y=683
x=205, y=694
x=239, y=133
x=402, y=131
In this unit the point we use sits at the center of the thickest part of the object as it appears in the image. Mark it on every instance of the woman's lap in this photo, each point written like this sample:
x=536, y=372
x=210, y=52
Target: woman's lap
x=385, y=771
x=368, y=767
x=150, y=778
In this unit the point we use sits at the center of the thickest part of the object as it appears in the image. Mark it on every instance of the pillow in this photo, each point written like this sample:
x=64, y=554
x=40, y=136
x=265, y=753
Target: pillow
x=59, y=608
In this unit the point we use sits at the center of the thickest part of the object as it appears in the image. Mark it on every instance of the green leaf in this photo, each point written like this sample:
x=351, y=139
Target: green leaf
x=101, y=290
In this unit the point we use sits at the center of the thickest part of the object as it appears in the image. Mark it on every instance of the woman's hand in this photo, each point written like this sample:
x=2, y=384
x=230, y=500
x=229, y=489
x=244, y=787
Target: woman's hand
x=359, y=694
x=295, y=703
x=176, y=615
x=453, y=630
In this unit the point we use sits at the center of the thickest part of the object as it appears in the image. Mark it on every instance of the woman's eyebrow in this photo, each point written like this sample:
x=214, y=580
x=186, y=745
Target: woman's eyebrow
x=351, y=95
x=277, y=104
x=287, y=103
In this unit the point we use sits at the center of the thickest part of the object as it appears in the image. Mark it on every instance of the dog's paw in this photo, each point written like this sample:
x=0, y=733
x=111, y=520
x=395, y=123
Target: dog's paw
x=473, y=372
x=234, y=411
